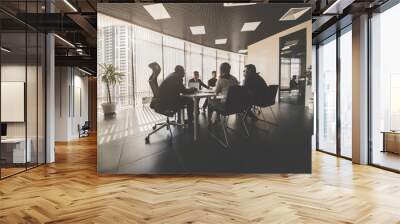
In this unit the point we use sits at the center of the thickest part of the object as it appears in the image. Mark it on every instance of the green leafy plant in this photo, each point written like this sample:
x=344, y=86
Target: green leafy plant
x=110, y=76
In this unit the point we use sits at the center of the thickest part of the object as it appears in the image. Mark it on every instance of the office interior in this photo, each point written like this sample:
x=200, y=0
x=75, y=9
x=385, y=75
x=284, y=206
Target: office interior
x=355, y=163
x=331, y=58
x=130, y=38
x=48, y=80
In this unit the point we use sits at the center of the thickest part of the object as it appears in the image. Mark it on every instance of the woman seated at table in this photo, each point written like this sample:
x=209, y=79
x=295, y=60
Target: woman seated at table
x=225, y=81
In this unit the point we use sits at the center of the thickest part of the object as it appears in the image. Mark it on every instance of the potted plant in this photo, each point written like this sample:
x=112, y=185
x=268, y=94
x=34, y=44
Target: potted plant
x=110, y=76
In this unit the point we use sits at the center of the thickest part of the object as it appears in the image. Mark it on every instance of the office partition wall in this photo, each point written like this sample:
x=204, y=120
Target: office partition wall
x=22, y=76
x=385, y=89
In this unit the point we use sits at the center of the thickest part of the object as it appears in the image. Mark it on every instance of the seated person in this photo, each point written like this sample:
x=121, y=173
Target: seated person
x=170, y=90
x=225, y=81
x=293, y=84
x=196, y=79
x=255, y=84
x=211, y=83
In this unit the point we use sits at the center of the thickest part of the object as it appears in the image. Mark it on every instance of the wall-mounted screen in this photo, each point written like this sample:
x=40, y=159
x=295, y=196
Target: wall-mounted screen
x=12, y=101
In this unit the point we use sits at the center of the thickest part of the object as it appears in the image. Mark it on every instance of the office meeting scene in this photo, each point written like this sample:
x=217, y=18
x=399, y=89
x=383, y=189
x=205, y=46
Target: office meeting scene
x=214, y=88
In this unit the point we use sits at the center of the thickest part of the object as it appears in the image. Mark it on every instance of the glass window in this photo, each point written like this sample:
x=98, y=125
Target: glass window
x=127, y=45
x=241, y=67
x=222, y=56
x=193, y=60
x=209, y=63
x=235, y=65
x=115, y=47
x=346, y=92
x=327, y=95
x=146, y=41
x=173, y=54
x=385, y=89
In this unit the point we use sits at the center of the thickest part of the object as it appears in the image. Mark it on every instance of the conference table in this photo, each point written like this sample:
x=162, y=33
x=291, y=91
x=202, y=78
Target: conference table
x=196, y=97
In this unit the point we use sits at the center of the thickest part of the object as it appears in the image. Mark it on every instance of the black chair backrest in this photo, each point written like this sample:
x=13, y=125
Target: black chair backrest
x=272, y=91
x=237, y=100
x=267, y=98
x=154, y=86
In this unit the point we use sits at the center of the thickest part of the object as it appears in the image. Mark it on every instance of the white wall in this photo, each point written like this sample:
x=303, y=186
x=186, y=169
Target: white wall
x=265, y=53
x=69, y=82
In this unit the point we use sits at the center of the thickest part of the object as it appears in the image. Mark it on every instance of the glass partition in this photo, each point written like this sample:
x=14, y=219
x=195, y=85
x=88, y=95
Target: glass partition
x=385, y=89
x=15, y=151
x=22, y=101
x=327, y=95
x=346, y=92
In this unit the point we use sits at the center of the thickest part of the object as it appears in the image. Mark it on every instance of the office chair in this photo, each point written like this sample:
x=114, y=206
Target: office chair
x=84, y=130
x=159, y=108
x=237, y=102
x=266, y=100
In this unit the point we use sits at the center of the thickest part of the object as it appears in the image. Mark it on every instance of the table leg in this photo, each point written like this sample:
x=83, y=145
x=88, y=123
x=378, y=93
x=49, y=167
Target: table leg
x=182, y=116
x=194, y=119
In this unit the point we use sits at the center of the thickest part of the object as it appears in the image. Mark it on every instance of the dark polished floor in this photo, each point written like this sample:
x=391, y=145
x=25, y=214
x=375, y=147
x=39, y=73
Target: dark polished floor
x=285, y=148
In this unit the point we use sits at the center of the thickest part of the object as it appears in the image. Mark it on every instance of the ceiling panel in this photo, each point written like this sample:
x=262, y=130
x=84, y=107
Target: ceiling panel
x=219, y=21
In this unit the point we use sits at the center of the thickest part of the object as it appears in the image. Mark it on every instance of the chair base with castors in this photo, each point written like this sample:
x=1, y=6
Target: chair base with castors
x=167, y=124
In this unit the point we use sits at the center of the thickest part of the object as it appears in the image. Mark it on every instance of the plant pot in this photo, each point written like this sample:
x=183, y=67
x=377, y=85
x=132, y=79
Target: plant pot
x=109, y=108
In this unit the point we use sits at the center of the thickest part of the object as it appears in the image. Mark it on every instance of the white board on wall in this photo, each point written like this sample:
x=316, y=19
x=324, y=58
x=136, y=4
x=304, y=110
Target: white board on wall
x=12, y=101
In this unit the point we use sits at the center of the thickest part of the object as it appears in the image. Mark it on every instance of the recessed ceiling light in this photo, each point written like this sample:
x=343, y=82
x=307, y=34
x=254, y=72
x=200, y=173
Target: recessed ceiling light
x=237, y=4
x=157, y=11
x=221, y=41
x=70, y=5
x=243, y=51
x=198, y=30
x=65, y=41
x=294, y=13
x=5, y=50
x=250, y=26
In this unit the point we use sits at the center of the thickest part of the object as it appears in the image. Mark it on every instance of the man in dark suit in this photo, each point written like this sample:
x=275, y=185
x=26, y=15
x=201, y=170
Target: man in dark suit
x=170, y=92
x=255, y=84
x=211, y=83
x=196, y=79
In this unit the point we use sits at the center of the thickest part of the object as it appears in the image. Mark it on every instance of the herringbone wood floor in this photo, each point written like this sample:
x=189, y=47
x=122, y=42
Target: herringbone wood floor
x=70, y=191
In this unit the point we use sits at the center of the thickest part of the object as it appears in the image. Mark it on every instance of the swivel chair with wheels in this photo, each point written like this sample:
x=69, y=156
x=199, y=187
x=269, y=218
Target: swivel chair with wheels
x=159, y=107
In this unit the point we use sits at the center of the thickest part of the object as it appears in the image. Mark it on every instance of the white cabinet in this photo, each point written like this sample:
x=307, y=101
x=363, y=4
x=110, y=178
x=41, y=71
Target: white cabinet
x=16, y=147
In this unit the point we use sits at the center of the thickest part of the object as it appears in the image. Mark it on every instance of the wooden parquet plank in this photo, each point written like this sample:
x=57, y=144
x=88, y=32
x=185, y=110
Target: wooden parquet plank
x=70, y=191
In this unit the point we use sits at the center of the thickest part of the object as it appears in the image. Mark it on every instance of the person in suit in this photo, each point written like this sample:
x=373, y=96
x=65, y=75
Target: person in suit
x=196, y=79
x=211, y=83
x=170, y=90
x=293, y=83
x=255, y=84
x=225, y=81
